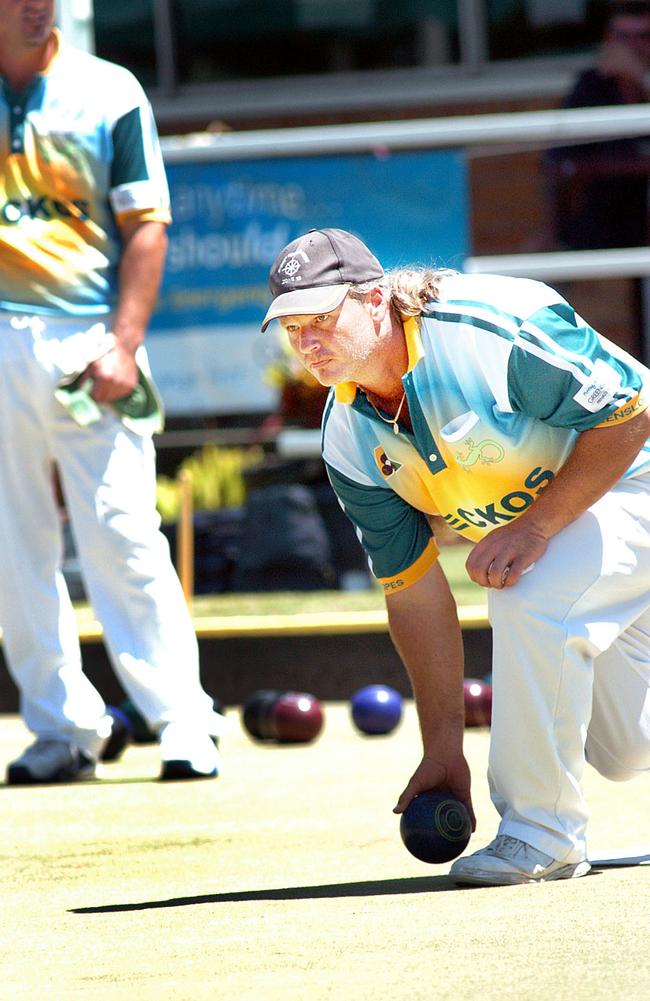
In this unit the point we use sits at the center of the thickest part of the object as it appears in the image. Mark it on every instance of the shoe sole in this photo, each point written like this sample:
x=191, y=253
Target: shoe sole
x=179, y=770
x=572, y=871
x=18, y=775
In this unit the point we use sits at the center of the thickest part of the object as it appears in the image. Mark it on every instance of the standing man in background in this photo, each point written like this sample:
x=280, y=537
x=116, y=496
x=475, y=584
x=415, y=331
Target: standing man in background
x=83, y=212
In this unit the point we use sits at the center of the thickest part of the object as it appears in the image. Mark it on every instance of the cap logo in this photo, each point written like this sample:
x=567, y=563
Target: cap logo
x=312, y=274
x=290, y=263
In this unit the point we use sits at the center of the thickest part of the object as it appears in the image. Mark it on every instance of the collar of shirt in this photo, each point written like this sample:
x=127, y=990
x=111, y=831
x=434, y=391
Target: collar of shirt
x=345, y=392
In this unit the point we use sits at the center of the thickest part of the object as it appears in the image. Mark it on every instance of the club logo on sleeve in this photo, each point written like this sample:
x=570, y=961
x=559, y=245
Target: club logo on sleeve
x=600, y=389
x=385, y=464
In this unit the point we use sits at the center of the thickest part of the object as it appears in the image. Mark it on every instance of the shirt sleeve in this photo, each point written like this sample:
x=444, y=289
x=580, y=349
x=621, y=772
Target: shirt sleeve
x=397, y=538
x=565, y=374
x=138, y=185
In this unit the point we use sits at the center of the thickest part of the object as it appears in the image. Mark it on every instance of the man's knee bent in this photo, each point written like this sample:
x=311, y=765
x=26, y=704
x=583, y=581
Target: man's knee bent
x=619, y=766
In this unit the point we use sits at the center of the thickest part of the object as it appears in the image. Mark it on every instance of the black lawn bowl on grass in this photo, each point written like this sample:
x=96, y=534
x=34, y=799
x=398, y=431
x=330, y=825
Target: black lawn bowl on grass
x=256, y=713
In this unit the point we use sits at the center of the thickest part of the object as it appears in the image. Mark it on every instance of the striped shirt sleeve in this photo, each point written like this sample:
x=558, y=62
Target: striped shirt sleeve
x=138, y=185
x=397, y=538
x=565, y=374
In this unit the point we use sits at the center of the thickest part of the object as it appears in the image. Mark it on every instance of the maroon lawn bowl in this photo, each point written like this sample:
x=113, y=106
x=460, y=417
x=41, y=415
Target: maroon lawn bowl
x=478, y=702
x=296, y=718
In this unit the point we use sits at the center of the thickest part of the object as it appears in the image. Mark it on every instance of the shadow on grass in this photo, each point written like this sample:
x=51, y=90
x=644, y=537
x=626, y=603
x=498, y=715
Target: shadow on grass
x=367, y=888
x=88, y=783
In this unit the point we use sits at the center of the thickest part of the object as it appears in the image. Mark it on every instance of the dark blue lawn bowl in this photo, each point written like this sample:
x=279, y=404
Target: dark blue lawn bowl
x=435, y=827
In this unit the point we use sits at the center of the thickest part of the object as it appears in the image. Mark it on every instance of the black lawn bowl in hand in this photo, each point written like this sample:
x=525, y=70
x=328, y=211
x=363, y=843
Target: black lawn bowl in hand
x=435, y=827
x=121, y=734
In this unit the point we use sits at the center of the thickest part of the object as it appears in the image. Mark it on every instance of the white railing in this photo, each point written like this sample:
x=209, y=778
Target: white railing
x=568, y=265
x=529, y=128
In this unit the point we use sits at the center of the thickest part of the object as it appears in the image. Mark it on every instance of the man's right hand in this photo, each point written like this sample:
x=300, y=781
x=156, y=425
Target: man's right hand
x=436, y=773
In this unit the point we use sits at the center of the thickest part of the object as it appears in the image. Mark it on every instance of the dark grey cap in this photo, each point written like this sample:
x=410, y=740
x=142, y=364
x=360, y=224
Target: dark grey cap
x=312, y=274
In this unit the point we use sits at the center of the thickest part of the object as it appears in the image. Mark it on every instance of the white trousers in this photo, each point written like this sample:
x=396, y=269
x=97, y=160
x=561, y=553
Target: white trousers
x=108, y=478
x=571, y=672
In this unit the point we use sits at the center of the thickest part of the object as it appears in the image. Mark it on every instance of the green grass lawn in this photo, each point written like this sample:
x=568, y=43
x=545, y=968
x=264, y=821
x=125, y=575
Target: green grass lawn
x=292, y=602
x=303, y=602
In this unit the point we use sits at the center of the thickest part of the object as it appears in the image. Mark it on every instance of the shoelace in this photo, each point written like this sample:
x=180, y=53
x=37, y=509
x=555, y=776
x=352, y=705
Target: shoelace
x=505, y=846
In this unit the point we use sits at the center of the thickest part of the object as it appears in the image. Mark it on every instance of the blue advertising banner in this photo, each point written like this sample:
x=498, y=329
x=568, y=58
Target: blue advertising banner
x=231, y=218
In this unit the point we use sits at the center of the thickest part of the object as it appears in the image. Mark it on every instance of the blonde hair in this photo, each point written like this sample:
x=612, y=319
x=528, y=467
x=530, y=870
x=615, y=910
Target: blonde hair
x=411, y=290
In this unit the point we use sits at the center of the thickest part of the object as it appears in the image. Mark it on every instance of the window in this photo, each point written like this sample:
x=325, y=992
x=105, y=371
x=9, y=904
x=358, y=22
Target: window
x=170, y=42
x=124, y=33
x=527, y=28
x=221, y=39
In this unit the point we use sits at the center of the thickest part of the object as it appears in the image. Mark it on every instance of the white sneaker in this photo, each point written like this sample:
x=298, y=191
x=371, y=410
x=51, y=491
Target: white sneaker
x=51, y=761
x=508, y=860
x=187, y=754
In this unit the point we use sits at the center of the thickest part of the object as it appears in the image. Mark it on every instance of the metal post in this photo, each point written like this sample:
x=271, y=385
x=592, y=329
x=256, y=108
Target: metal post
x=185, y=535
x=165, y=37
x=473, y=35
x=645, y=320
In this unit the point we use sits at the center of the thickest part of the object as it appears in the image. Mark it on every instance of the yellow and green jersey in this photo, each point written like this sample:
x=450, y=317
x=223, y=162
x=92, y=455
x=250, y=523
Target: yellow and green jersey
x=502, y=377
x=79, y=154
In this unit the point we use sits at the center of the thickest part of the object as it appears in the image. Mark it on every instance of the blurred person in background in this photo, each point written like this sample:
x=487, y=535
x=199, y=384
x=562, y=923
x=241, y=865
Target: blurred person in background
x=84, y=207
x=597, y=192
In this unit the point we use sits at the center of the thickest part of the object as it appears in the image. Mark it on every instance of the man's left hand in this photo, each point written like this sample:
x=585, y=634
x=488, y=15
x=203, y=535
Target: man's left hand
x=114, y=375
x=500, y=558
